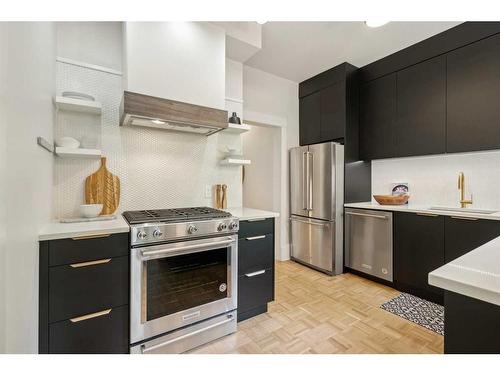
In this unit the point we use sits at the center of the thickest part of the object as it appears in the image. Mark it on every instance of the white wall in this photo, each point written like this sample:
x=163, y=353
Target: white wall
x=433, y=179
x=97, y=43
x=29, y=112
x=3, y=172
x=181, y=61
x=156, y=168
x=272, y=100
x=262, y=183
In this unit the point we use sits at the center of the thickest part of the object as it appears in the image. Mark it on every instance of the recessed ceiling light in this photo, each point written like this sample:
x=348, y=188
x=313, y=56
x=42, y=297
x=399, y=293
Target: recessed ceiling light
x=158, y=122
x=261, y=22
x=375, y=23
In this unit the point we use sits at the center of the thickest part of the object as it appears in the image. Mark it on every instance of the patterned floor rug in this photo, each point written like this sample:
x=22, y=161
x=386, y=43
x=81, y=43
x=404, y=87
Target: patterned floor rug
x=417, y=310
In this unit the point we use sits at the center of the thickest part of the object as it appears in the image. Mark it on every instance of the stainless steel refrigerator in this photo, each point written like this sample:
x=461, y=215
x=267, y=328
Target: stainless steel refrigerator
x=316, y=206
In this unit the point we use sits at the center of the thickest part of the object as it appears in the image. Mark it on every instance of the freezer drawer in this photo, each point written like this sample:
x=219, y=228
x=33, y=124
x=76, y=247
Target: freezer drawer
x=368, y=236
x=313, y=242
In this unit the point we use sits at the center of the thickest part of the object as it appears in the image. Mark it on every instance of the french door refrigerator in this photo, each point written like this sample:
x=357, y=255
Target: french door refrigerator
x=316, y=206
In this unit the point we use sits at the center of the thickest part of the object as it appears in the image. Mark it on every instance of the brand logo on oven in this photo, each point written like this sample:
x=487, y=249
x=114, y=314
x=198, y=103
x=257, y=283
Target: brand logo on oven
x=222, y=287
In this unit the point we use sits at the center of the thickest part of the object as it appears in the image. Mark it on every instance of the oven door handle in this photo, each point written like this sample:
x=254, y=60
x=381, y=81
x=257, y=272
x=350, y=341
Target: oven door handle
x=145, y=349
x=184, y=249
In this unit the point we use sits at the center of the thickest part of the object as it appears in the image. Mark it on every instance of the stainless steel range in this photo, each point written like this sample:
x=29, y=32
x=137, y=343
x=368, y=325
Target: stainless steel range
x=183, y=278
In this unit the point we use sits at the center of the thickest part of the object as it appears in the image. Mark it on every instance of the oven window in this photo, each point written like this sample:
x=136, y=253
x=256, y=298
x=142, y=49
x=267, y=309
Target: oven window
x=178, y=283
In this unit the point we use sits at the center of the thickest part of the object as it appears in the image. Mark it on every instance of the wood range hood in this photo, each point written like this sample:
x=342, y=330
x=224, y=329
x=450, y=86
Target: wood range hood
x=149, y=111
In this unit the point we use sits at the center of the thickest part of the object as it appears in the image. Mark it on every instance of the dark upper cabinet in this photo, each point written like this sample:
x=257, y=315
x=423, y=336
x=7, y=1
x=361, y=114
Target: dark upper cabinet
x=473, y=89
x=464, y=235
x=328, y=106
x=419, y=248
x=310, y=119
x=377, y=117
x=333, y=112
x=421, y=109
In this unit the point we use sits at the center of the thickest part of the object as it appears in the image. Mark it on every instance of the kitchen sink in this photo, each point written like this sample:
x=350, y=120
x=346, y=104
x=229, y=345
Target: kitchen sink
x=463, y=210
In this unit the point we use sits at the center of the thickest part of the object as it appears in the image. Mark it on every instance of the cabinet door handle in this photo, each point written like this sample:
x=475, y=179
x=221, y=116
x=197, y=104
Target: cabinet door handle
x=91, y=263
x=426, y=214
x=255, y=238
x=90, y=237
x=256, y=273
x=464, y=218
x=90, y=316
x=253, y=220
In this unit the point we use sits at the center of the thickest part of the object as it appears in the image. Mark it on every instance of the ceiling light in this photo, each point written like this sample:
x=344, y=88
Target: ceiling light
x=158, y=122
x=375, y=23
x=261, y=22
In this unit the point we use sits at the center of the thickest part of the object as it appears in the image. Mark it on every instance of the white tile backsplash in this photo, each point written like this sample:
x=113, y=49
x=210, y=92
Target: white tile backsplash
x=157, y=169
x=434, y=179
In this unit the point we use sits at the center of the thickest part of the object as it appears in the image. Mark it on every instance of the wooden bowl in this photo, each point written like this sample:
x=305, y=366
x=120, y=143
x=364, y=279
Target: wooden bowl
x=392, y=200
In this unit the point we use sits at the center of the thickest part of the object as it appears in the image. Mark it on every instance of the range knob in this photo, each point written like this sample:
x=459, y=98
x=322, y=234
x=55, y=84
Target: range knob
x=157, y=233
x=141, y=235
x=192, y=229
x=233, y=225
x=221, y=227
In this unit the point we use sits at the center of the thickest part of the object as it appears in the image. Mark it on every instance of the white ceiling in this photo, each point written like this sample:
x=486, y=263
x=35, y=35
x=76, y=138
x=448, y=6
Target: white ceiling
x=300, y=50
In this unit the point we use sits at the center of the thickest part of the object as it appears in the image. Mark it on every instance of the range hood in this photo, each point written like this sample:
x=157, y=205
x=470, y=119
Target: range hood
x=153, y=112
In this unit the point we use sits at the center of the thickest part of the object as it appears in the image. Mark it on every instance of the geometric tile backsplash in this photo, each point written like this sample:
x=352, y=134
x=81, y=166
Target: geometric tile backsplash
x=157, y=169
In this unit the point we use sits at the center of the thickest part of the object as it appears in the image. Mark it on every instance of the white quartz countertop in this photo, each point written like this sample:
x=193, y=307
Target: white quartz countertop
x=246, y=213
x=425, y=209
x=56, y=230
x=475, y=274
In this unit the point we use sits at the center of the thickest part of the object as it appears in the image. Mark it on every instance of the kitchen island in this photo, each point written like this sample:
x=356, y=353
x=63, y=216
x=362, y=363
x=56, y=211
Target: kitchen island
x=472, y=300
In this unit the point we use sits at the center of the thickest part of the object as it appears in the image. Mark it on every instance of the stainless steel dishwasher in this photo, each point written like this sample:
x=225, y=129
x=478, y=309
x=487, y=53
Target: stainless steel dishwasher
x=368, y=240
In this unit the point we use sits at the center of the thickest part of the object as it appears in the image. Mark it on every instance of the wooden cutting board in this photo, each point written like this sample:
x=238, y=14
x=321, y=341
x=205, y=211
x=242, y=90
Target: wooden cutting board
x=103, y=187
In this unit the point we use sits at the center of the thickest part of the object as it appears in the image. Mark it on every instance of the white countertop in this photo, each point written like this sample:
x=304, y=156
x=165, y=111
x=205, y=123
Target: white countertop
x=56, y=230
x=425, y=209
x=246, y=213
x=475, y=274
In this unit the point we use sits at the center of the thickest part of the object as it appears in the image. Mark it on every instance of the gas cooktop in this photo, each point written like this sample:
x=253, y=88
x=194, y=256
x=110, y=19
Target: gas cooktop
x=173, y=215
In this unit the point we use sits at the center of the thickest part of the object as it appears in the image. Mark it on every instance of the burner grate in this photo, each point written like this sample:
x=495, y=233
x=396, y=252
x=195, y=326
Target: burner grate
x=174, y=215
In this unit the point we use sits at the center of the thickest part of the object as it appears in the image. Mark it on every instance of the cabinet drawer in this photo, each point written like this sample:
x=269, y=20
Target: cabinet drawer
x=255, y=253
x=250, y=228
x=83, y=288
x=106, y=332
x=255, y=289
x=86, y=249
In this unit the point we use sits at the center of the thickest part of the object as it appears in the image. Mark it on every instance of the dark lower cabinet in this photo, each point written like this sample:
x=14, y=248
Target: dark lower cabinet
x=377, y=117
x=471, y=326
x=418, y=250
x=473, y=89
x=465, y=234
x=84, y=295
x=103, y=334
x=255, y=267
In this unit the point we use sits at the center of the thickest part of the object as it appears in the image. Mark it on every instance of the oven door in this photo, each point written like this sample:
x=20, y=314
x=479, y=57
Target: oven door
x=176, y=284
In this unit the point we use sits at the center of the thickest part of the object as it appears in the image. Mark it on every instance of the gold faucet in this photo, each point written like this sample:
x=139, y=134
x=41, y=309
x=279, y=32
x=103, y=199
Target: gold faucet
x=461, y=187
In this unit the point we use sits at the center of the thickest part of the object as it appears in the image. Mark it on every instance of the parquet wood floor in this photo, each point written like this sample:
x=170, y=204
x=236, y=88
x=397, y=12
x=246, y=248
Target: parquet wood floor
x=316, y=313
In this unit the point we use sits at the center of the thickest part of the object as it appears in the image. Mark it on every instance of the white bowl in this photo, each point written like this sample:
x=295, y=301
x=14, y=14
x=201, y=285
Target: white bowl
x=90, y=210
x=68, y=142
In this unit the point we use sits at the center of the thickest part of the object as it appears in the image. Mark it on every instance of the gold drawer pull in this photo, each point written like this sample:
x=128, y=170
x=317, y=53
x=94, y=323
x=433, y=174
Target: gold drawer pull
x=90, y=316
x=91, y=263
x=426, y=214
x=90, y=237
x=255, y=238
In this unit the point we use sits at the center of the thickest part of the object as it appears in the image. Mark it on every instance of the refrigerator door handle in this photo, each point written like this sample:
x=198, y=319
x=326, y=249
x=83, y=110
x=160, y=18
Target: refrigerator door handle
x=305, y=179
x=306, y=221
x=310, y=164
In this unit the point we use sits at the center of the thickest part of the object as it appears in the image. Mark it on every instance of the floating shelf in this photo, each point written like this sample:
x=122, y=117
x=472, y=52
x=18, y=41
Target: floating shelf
x=230, y=161
x=237, y=128
x=78, y=152
x=78, y=105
